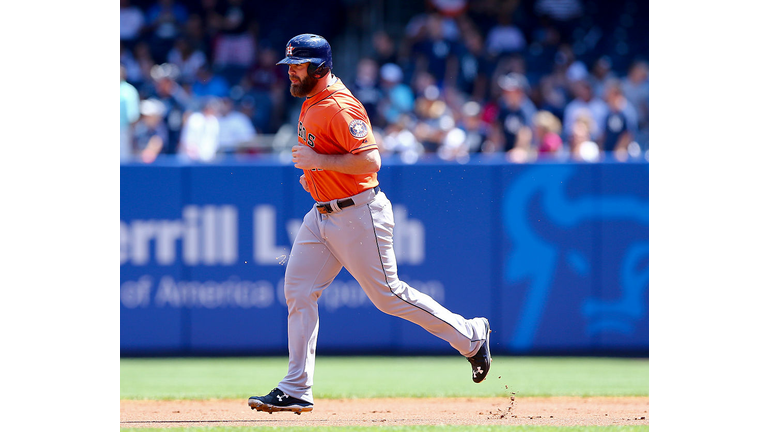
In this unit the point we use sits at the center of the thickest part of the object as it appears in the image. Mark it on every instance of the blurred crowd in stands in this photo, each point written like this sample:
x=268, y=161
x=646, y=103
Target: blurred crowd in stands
x=538, y=79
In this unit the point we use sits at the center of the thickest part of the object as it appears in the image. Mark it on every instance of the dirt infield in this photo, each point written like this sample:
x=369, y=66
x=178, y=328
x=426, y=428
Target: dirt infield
x=556, y=411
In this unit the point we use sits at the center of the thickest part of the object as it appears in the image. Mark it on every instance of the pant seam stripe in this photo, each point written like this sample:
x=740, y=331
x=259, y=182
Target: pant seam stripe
x=386, y=279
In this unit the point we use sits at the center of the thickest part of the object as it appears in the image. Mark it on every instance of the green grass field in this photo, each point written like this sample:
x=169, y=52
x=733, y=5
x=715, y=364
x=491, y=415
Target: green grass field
x=375, y=377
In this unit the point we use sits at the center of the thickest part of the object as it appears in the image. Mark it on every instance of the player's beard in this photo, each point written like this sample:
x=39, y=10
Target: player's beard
x=304, y=86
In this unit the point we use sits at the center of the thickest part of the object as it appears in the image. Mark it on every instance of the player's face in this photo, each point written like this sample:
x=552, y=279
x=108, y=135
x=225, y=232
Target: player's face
x=301, y=83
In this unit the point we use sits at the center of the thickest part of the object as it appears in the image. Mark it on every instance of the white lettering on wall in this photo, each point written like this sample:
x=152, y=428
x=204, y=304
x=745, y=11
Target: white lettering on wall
x=191, y=245
x=208, y=235
x=168, y=232
x=408, y=237
x=135, y=294
x=124, y=242
x=246, y=294
x=142, y=231
x=213, y=295
x=266, y=251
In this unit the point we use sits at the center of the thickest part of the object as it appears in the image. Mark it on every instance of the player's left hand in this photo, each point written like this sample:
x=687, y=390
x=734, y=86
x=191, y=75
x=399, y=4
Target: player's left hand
x=304, y=157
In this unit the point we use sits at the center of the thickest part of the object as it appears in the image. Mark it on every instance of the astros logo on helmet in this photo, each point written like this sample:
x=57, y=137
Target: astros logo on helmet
x=312, y=49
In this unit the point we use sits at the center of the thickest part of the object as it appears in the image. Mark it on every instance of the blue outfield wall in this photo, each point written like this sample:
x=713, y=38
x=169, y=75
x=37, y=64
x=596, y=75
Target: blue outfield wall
x=554, y=254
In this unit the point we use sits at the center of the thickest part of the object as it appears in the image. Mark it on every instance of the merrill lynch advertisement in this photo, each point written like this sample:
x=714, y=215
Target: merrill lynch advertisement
x=203, y=250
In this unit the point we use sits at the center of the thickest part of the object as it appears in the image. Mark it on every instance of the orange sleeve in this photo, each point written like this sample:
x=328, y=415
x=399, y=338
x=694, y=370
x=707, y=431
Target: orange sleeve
x=351, y=129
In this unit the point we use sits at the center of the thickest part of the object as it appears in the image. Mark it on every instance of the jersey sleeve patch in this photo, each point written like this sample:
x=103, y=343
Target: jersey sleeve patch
x=358, y=128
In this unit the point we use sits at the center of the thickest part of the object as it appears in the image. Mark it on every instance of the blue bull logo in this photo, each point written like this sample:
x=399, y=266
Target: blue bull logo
x=577, y=261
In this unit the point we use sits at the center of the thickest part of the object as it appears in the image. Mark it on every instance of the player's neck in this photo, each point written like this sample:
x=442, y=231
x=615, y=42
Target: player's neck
x=323, y=83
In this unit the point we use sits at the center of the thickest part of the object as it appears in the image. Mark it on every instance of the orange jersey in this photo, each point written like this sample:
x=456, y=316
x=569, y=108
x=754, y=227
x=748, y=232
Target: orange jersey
x=334, y=122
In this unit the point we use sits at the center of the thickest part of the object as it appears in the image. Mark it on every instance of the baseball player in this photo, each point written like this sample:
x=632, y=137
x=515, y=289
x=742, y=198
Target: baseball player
x=351, y=225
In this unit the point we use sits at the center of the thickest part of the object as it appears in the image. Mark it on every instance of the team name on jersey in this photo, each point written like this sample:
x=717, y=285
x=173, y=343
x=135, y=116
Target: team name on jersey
x=308, y=137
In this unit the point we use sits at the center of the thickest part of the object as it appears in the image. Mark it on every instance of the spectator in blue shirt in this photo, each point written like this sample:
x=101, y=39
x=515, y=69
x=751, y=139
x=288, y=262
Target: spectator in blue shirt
x=620, y=126
x=366, y=88
x=515, y=117
x=635, y=87
x=151, y=136
x=175, y=100
x=475, y=68
x=165, y=20
x=208, y=83
x=437, y=54
x=398, y=98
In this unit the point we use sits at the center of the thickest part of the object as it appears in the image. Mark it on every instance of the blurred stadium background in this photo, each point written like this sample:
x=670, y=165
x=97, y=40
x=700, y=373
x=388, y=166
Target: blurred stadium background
x=515, y=145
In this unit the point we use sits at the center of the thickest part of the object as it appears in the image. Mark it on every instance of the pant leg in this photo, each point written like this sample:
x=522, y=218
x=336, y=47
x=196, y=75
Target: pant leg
x=361, y=238
x=310, y=269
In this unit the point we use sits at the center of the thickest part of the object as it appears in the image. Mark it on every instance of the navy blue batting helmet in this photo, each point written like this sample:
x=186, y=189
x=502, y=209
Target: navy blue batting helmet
x=312, y=49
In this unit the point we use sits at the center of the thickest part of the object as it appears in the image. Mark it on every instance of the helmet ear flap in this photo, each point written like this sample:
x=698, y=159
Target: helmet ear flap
x=318, y=71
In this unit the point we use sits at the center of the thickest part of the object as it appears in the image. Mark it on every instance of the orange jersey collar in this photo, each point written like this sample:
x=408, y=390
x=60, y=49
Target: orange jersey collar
x=326, y=91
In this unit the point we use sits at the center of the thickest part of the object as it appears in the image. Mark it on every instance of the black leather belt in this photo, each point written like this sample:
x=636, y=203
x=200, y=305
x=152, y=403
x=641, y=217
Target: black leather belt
x=326, y=208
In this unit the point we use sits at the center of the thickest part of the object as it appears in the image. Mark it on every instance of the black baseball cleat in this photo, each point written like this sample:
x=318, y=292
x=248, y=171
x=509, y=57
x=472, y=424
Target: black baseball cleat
x=481, y=362
x=276, y=400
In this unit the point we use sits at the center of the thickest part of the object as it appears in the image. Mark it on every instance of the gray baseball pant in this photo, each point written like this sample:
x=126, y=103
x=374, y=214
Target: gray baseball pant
x=358, y=238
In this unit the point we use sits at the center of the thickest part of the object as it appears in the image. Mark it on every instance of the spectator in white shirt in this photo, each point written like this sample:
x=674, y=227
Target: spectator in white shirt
x=505, y=37
x=235, y=128
x=200, y=133
x=585, y=100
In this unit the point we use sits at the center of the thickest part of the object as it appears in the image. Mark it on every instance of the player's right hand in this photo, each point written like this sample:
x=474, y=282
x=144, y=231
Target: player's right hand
x=303, y=181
